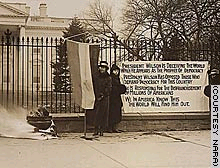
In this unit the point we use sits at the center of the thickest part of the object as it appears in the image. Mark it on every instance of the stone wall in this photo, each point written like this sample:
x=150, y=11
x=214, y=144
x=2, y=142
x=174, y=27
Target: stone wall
x=144, y=122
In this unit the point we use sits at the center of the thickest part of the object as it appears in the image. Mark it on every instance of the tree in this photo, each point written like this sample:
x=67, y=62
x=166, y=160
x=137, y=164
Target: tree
x=197, y=23
x=99, y=21
x=191, y=20
x=147, y=19
x=175, y=50
x=195, y=19
x=160, y=23
x=75, y=31
x=61, y=79
x=61, y=74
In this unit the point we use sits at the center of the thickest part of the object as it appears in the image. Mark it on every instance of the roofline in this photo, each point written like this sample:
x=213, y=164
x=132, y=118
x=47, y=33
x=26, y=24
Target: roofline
x=4, y=4
x=51, y=17
x=44, y=27
x=19, y=3
x=14, y=16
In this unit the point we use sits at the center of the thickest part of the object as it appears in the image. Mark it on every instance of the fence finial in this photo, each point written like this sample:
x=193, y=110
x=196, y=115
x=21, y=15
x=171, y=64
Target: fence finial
x=8, y=34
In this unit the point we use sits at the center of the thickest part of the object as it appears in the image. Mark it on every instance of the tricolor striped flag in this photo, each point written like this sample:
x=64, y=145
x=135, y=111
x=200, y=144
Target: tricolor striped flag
x=83, y=60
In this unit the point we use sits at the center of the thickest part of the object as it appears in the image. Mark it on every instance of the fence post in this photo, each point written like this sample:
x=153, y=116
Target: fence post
x=115, y=47
x=8, y=34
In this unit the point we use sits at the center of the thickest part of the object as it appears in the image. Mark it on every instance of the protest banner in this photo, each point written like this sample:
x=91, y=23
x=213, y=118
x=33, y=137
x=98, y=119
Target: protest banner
x=163, y=86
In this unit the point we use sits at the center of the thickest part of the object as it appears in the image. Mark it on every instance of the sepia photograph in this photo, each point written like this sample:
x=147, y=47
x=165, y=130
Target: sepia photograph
x=109, y=83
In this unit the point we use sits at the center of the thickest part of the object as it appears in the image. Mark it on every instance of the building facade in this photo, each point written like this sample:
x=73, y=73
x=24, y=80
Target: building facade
x=16, y=17
x=27, y=66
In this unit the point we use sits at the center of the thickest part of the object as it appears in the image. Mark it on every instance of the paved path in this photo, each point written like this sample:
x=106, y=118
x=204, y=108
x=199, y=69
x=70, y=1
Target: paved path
x=175, y=149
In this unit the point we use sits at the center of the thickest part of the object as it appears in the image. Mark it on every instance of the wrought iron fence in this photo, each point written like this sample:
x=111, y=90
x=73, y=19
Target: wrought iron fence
x=28, y=71
x=26, y=74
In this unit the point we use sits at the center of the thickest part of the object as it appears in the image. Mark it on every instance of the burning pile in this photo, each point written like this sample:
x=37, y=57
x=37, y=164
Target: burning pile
x=13, y=124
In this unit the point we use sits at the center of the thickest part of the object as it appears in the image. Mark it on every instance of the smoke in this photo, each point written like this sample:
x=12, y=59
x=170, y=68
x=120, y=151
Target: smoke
x=13, y=124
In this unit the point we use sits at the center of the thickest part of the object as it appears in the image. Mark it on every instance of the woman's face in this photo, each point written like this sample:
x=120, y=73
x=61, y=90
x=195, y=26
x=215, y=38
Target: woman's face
x=102, y=69
x=115, y=71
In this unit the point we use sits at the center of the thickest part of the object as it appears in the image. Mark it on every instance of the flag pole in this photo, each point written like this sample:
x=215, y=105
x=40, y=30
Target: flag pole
x=76, y=35
x=85, y=128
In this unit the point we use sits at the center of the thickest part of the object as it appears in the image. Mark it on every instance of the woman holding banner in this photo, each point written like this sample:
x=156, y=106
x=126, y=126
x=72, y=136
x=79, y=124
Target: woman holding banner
x=115, y=114
x=102, y=87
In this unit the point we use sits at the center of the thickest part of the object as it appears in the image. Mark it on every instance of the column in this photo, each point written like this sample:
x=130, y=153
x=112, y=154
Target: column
x=22, y=31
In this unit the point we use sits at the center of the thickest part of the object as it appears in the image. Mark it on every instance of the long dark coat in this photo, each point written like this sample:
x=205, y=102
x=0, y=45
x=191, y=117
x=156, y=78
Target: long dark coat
x=213, y=81
x=115, y=113
x=102, y=88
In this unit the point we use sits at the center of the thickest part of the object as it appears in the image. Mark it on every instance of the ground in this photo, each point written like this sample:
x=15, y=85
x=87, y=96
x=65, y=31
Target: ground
x=189, y=149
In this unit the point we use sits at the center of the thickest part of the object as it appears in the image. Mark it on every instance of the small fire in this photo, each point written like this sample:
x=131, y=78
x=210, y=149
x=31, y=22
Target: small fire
x=13, y=124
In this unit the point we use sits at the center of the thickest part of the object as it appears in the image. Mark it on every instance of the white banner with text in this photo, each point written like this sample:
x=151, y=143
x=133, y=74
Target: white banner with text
x=165, y=86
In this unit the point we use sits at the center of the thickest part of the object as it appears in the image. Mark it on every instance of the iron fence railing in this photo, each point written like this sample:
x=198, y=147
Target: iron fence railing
x=27, y=72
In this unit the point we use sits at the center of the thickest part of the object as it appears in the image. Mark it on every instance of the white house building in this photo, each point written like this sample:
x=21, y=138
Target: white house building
x=28, y=68
x=16, y=17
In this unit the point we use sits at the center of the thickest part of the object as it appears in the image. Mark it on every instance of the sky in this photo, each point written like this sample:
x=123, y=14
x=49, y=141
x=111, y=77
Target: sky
x=65, y=8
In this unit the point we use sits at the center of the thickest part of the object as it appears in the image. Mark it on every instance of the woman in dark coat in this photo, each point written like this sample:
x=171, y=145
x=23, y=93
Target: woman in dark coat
x=214, y=79
x=103, y=85
x=115, y=114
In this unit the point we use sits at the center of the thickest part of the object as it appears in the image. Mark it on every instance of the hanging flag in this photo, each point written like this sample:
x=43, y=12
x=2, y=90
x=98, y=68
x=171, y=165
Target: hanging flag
x=81, y=61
